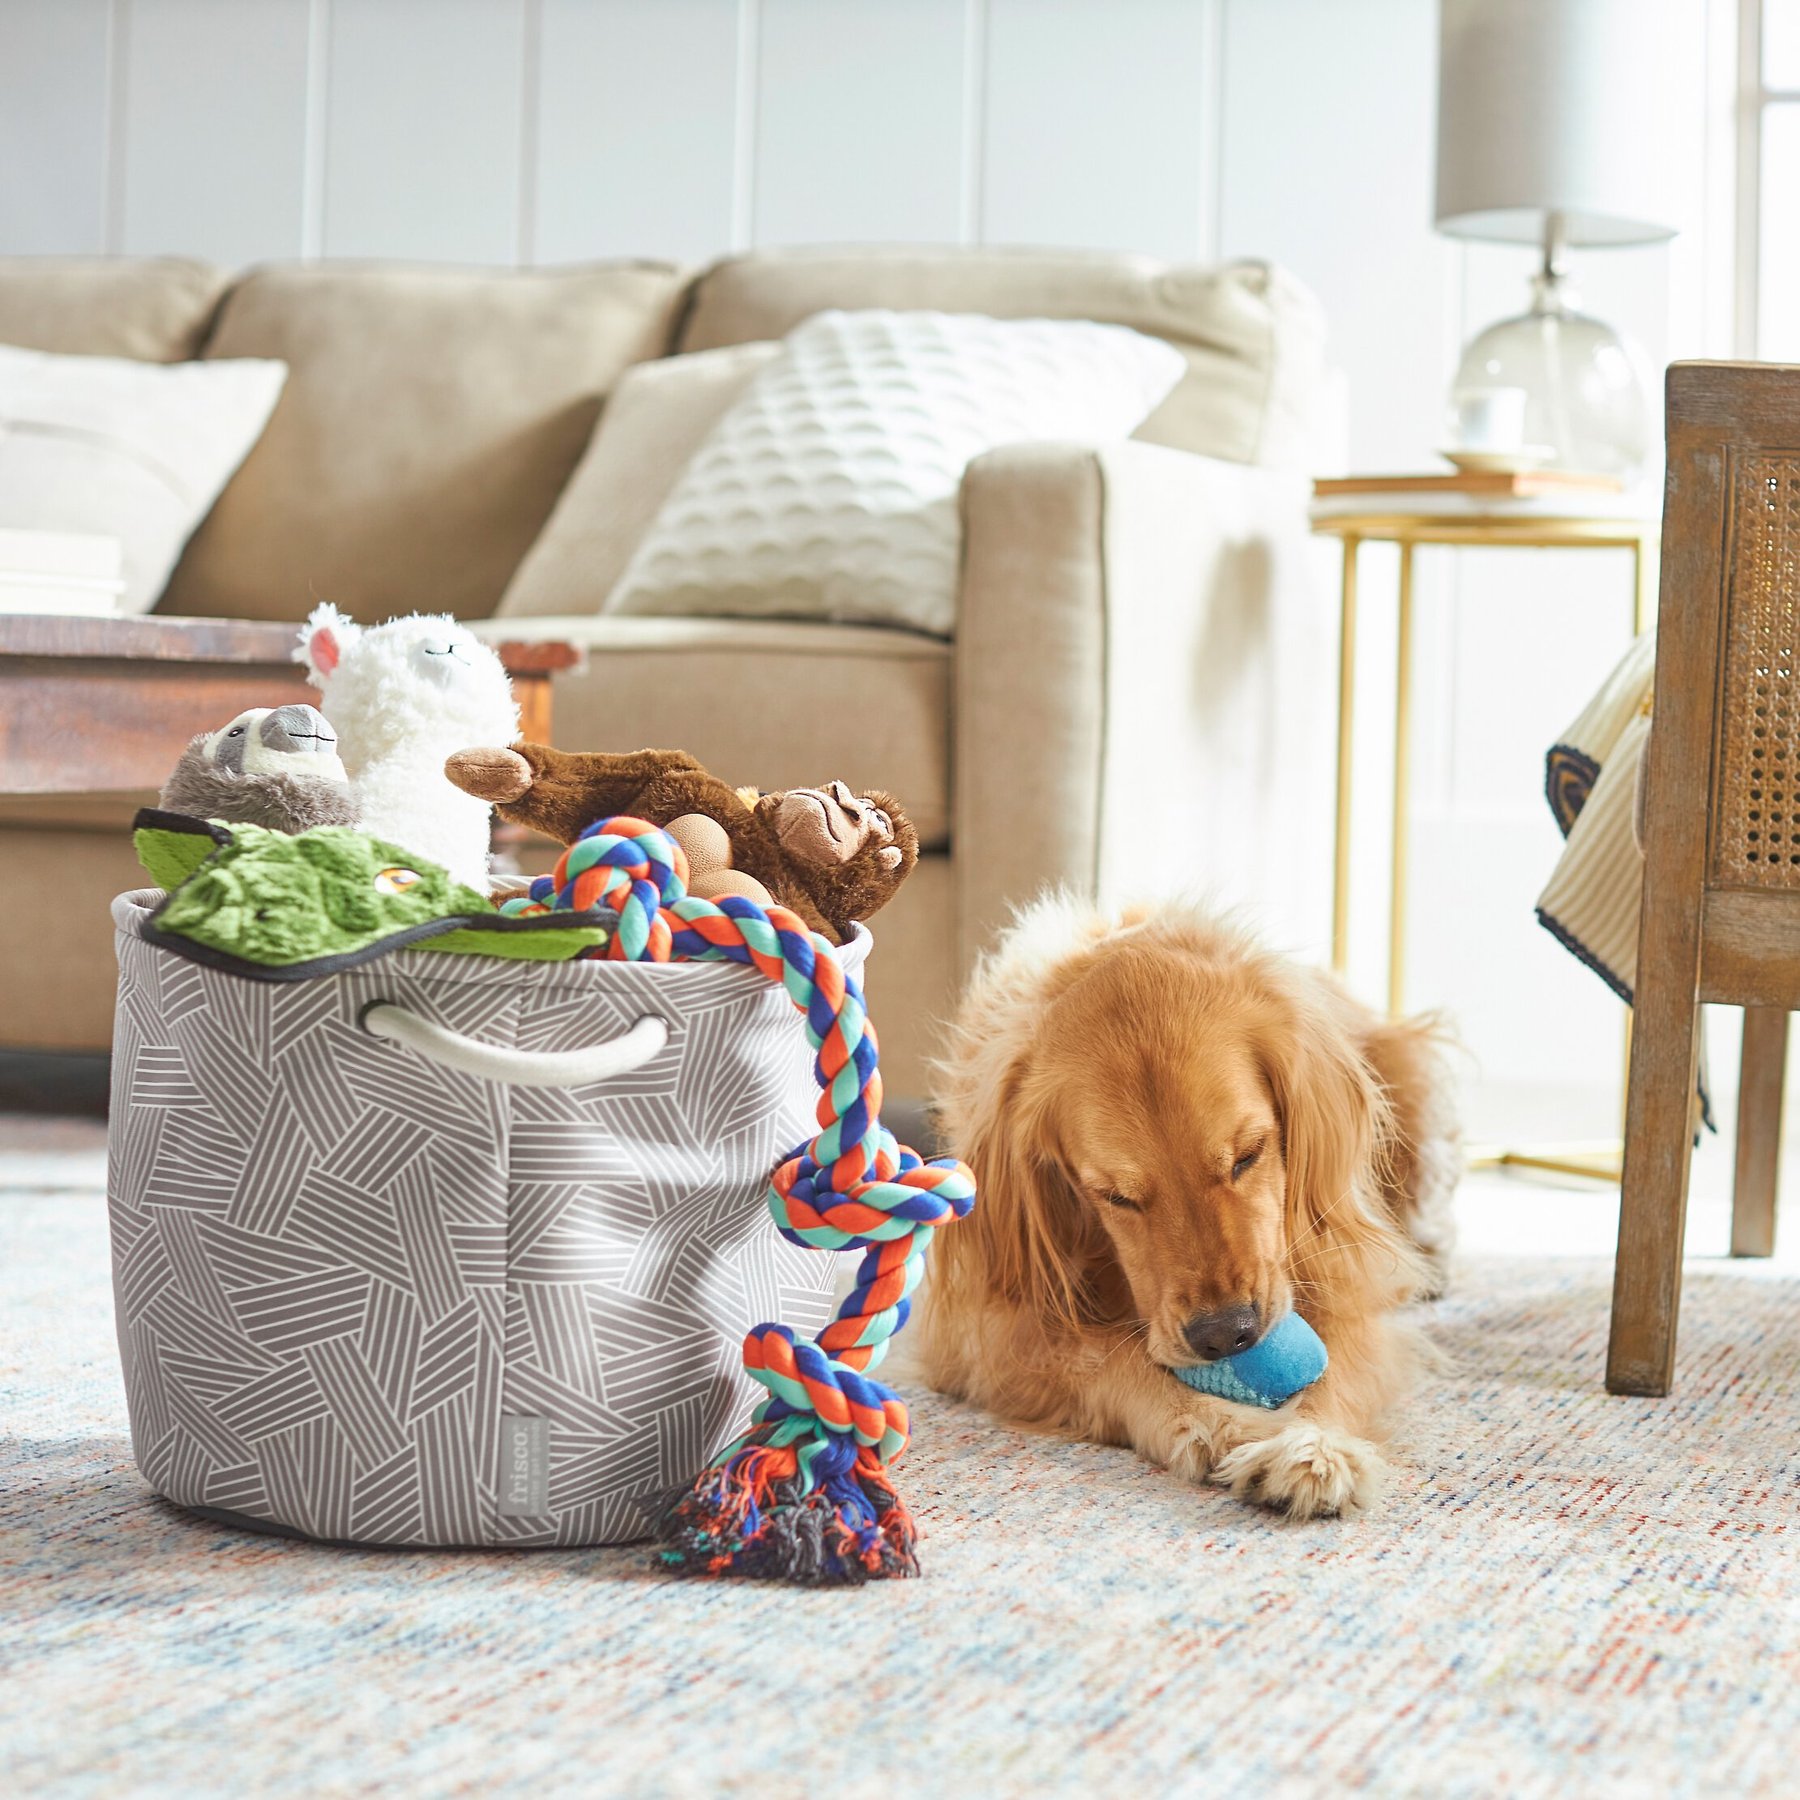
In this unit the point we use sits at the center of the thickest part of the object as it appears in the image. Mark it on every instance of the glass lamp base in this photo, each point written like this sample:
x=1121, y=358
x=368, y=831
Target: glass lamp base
x=1586, y=388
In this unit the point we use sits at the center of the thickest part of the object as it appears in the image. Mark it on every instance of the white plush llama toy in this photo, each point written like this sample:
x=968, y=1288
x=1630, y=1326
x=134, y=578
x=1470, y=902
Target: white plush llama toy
x=402, y=696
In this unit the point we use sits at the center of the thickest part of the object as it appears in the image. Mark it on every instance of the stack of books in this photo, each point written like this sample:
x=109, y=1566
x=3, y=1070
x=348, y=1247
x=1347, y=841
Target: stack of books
x=1487, y=484
x=59, y=572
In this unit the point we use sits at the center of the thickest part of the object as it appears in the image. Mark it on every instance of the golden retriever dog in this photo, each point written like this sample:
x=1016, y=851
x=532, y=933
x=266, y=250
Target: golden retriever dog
x=1177, y=1138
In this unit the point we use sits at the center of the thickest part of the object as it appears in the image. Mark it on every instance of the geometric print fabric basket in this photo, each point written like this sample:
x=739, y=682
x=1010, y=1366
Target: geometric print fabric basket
x=368, y=1296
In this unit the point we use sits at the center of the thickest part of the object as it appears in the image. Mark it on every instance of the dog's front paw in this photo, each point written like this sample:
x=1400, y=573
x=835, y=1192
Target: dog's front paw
x=1188, y=1432
x=1306, y=1471
x=1190, y=1453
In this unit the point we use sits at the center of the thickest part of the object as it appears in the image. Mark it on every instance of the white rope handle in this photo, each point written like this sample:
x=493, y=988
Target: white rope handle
x=518, y=1068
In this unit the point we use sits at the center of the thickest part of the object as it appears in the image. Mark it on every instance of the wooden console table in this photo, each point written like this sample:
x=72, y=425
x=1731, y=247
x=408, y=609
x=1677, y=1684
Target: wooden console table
x=92, y=705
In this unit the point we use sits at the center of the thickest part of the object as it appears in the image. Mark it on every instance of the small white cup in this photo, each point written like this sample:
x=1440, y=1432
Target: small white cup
x=1490, y=419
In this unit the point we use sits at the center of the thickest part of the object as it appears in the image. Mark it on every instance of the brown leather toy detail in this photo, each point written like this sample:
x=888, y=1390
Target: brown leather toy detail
x=707, y=846
x=490, y=774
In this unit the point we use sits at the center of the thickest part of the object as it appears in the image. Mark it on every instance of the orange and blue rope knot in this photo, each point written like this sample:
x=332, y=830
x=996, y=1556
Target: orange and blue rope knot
x=805, y=1495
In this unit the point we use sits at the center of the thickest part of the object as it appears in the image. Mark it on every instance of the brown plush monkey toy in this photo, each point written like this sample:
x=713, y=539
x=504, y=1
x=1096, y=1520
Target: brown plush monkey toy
x=825, y=853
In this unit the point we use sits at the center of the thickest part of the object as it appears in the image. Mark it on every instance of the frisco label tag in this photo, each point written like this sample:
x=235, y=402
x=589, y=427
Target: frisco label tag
x=524, y=1466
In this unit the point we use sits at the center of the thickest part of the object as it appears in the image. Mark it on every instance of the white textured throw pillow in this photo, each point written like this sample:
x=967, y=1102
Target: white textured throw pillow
x=132, y=450
x=829, y=490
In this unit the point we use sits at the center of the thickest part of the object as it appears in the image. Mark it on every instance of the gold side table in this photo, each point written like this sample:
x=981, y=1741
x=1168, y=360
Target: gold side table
x=1390, y=519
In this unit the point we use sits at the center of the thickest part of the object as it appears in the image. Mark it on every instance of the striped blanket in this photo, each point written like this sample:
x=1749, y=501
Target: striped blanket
x=1591, y=782
x=1594, y=783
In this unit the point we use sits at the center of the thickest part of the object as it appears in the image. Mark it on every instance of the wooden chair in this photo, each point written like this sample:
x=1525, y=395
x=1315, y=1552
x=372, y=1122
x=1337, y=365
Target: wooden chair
x=1721, y=908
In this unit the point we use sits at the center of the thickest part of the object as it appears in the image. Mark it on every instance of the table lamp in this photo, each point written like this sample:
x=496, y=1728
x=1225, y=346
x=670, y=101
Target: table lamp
x=1554, y=130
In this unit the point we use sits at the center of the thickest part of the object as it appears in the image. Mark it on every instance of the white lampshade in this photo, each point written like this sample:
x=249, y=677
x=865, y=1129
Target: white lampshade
x=1556, y=106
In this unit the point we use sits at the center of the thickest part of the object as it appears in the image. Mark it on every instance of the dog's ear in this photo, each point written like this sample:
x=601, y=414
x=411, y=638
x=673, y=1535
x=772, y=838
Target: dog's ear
x=1029, y=1240
x=1329, y=1105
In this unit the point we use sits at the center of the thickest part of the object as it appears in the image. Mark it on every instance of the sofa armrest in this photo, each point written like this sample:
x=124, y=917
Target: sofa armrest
x=1143, y=691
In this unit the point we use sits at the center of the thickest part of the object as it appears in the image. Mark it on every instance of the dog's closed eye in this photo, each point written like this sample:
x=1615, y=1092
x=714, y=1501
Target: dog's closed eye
x=1244, y=1162
x=1125, y=1201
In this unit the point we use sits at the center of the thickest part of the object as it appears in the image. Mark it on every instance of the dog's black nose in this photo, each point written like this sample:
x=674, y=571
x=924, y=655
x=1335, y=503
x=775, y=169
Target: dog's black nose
x=1217, y=1334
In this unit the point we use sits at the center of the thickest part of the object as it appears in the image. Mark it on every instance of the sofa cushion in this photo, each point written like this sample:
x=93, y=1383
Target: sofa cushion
x=1253, y=336
x=154, y=309
x=430, y=420
x=829, y=490
x=762, y=703
x=657, y=417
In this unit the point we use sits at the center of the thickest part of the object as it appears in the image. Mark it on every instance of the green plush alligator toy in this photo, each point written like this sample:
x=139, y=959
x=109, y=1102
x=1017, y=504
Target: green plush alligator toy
x=282, y=908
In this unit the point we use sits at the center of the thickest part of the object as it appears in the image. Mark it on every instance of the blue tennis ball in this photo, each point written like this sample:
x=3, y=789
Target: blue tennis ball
x=1291, y=1356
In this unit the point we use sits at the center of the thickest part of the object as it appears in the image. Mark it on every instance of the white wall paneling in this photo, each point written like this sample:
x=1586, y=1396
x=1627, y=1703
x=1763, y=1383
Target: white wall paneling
x=637, y=129
x=1101, y=122
x=54, y=125
x=424, y=128
x=859, y=112
x=204, y=75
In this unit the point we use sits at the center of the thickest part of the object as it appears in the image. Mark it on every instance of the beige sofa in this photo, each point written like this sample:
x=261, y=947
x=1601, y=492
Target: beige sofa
x=1089, y=726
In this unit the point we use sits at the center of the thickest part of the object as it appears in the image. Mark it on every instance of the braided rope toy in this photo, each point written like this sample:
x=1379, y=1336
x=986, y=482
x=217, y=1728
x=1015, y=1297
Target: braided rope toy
x=805, y=1494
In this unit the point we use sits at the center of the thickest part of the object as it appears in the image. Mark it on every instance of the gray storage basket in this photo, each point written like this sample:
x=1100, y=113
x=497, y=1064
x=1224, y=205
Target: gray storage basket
x=369, y=1295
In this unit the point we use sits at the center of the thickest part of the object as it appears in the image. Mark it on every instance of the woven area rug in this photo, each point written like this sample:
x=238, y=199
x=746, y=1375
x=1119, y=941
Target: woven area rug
x=1564, y=1592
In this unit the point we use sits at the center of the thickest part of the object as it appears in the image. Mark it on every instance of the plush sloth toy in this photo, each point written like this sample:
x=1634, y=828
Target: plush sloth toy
x=275, y=766
x=828, y=854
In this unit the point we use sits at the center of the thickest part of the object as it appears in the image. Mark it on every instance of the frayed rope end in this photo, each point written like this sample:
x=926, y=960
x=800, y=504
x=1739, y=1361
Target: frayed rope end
x=756, y=1515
